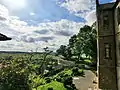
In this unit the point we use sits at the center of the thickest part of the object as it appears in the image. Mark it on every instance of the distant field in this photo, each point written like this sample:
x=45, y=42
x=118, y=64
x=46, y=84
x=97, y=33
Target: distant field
x=23, y=55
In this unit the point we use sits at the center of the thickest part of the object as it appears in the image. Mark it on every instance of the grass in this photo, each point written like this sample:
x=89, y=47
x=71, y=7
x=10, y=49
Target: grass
x=54, y=84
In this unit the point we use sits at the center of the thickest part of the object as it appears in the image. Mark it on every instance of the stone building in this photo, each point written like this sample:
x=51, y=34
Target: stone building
x=108, y=23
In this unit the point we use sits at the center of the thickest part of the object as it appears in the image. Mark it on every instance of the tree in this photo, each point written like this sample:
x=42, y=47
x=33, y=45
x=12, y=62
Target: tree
x=65, y=51
x=86, y=44
x=83, y=43
x=88, y=41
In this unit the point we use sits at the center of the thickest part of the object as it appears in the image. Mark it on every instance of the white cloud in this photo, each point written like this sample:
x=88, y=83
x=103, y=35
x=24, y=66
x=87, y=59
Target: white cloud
x=27, y=37
x=14, y=4
x=32, y=13
x=91, y=17
x=81, y=8
x=113, y=1
x=4, y=14
x=78, y=5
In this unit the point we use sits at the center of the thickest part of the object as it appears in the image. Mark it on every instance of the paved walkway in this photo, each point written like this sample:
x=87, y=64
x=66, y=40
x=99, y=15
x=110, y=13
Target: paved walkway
x=89, y=82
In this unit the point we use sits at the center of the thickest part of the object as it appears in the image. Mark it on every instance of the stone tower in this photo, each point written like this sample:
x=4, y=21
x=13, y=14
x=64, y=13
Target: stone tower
x=107, y=60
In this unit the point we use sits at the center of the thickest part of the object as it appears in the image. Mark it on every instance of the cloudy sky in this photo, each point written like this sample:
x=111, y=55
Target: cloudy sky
x=35, y=24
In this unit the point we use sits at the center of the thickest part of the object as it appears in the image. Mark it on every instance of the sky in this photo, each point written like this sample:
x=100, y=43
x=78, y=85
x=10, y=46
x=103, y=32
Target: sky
x=36, y=24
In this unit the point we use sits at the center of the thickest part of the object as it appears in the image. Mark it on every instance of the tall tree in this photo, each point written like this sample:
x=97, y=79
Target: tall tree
x=88, y=41
x=84, y=43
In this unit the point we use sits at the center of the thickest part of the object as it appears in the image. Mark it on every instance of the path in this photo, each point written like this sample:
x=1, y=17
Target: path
x=89, y=82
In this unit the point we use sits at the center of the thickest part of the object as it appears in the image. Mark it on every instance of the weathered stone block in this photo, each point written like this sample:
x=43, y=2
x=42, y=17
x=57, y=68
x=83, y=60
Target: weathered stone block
x=107, y=78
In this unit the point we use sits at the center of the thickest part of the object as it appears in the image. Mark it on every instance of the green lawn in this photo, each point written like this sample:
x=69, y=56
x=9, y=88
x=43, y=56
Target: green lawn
x=54, y=84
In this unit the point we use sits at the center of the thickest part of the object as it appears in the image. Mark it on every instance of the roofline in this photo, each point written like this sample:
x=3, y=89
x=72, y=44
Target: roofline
x=116, y=3
x=97, y=3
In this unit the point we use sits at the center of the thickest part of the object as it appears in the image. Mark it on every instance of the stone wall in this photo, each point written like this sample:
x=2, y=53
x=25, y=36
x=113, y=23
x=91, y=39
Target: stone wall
x=117, y=34
x=107, y=47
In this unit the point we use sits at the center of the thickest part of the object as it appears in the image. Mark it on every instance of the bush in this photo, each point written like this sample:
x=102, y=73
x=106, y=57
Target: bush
x=54, y=85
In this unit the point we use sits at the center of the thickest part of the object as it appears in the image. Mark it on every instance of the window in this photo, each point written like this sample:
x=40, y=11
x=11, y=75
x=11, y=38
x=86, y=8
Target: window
x=105, y=22
x=107, y=51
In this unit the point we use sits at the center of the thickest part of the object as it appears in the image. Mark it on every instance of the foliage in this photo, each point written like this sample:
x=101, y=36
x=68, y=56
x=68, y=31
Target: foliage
x=14, y=75
x=54, y=85
x=81, y=46
x=23, y=72
x=88, y=41
x=65, y=77
x=35, y=81
x=65, y=51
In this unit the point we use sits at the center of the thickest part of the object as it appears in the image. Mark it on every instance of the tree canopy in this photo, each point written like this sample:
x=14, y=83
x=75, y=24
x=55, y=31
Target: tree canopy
x=82, y=45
